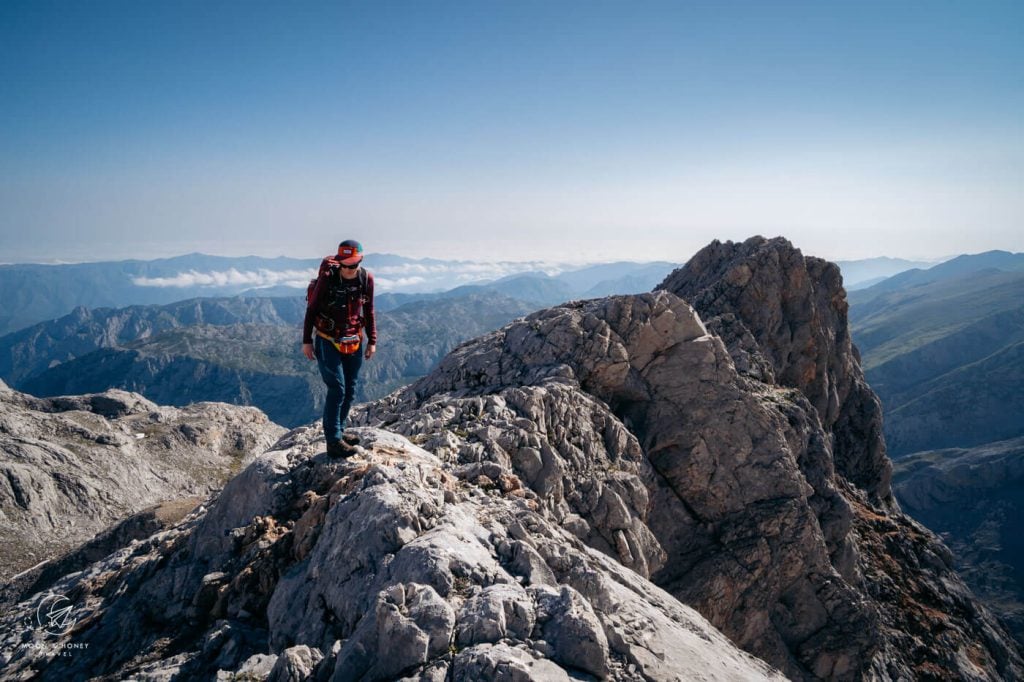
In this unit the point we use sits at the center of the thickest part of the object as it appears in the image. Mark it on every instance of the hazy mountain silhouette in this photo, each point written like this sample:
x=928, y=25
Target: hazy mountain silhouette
x=942, y=348
x=961, y=265
x=860, y=274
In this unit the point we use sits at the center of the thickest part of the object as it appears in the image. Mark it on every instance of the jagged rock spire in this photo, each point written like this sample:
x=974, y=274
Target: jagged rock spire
x=783, y=316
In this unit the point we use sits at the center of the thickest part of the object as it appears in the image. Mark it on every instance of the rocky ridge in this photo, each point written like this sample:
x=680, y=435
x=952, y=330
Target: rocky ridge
x=387, y=566
x=72, y=466
x=684, y=455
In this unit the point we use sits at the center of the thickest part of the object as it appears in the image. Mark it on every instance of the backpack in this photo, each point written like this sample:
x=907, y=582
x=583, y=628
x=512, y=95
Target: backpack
x=329, y=267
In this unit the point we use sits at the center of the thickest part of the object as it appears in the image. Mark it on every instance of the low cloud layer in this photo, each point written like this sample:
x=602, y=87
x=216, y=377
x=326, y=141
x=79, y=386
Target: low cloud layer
x=403, y=277
x=467, y=271
x=229, y=278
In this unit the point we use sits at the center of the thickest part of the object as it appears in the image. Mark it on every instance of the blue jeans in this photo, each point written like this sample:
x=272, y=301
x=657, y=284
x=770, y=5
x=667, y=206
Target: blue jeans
x=340, y=373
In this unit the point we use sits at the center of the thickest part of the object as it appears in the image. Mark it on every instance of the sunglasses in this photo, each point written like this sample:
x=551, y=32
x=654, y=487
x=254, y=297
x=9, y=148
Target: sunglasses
x=351, y=267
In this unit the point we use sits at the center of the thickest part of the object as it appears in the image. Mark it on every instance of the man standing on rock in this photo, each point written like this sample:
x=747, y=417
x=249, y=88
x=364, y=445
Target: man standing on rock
x=339, y=306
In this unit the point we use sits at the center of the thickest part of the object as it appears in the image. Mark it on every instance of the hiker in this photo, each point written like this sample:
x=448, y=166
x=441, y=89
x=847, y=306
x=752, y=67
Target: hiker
x=339, y=306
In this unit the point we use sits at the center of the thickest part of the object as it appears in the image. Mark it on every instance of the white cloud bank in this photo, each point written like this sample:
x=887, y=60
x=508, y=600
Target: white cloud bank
x=408, y=277
x=229, y=278
x=471, y=269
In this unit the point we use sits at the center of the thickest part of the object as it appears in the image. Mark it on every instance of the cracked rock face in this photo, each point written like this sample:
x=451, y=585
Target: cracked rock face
x=783, y=316
x=703, y=490
x=72, y=466
x=384, y=566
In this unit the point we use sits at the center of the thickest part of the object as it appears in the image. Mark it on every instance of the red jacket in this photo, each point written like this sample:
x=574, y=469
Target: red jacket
x=334, y=309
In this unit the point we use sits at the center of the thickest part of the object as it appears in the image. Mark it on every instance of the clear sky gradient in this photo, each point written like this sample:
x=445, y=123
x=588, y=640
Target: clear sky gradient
x=549, y=130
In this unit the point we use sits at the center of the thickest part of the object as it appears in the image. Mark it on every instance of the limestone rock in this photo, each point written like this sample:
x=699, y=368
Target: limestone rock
x=295, y=664
x=72, y=466
x=567, y=622
x=794, y=308
x=396, y=584
x=640, y=438
x=497, y=612
x=554, y=446
x=257, y=666
x=505, y=663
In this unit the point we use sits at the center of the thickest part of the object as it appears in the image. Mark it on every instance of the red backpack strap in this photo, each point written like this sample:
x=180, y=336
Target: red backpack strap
x=328, y=267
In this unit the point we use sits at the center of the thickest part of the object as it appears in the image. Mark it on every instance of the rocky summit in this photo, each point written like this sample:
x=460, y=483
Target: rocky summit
x=635, y=488
x=783, y=317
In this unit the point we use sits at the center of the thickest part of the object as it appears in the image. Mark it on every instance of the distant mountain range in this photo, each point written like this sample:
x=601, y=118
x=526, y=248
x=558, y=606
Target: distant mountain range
x=241, y=351
x=245, y=349
x=961, y=265
x=944, y=350
x=861, y=274
x=243, y=364
x=35, y=293
x=545, y=290
x=32, y=350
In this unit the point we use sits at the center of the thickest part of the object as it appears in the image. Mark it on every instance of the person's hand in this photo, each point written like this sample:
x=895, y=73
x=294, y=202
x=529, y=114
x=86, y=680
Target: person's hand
x=307, y=350
x=370, y=350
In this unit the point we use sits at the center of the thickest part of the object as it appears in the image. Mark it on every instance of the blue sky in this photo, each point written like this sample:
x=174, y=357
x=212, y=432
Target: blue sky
x=509, y=131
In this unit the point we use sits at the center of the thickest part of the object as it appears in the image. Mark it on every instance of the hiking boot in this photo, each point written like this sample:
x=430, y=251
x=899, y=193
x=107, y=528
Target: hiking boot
x=350, y=438
x=338, y=449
